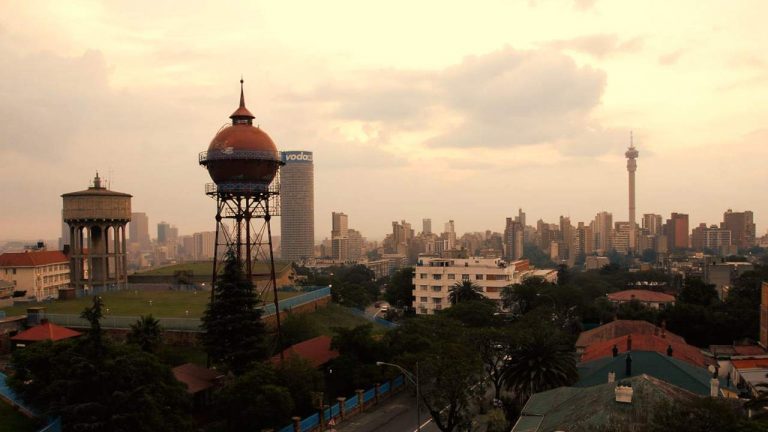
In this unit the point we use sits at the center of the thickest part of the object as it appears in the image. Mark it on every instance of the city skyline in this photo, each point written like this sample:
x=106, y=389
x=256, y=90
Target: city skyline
x=483, y=114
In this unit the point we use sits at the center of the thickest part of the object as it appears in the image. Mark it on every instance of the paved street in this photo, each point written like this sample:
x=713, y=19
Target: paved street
x=394, y=415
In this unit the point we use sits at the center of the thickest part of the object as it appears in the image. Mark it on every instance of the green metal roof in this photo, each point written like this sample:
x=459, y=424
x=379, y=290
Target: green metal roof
x=575, y=409
x=665, y=368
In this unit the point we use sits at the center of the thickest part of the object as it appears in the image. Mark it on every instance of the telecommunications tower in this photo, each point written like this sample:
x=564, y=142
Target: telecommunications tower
x=244, y=165
x=632, y=155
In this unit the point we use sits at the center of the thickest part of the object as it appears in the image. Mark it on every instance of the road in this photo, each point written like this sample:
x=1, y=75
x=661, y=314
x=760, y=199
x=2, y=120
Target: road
x=397, y=414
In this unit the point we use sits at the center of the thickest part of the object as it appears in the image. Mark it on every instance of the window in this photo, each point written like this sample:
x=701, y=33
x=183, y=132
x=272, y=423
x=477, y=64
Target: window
x=423, y=299
x=479, y=277
x=423, y=311
x=492, y=289
x=465, y=277
x=423, y=287
x=451, y=276
x=437, y=300
x=422, y=275
x=438, y=307
x=437, y=288
x=437, y=276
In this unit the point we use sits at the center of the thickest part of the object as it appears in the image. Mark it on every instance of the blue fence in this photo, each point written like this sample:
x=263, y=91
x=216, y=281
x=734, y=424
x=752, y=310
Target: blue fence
x=311, y=422
x=7, y=393
x=299, y=300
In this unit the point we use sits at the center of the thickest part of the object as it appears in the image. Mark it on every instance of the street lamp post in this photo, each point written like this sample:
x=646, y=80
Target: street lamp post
x=414, y=379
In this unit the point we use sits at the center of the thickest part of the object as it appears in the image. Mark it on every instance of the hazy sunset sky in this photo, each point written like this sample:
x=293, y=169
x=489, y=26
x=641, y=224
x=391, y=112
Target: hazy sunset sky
x=413, y=109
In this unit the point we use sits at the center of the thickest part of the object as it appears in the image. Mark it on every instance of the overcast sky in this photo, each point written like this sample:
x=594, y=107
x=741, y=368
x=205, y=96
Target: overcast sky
x=413, y=109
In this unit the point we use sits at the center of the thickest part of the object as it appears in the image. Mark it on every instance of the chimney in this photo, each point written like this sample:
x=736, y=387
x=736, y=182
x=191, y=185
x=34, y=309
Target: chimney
x=624, y=393
x=611, y=377
x=629, y=343
x=628, y=361
x=714, y=387
x=669, y=350
x=615, y=350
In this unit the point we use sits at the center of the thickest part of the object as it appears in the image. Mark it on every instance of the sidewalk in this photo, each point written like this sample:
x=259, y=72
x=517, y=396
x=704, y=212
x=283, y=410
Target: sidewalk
x=397, y=414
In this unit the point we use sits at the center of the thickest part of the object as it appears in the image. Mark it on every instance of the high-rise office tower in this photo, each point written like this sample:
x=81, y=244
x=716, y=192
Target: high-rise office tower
x=339, y=236
x=450, y=235
x=652, y=223
x=297, y=192
x=426, y=226
x=631, y=155
x=163, y=232
x=139, y=229
x=677, y=231
x=742, y=227
x=602, y=229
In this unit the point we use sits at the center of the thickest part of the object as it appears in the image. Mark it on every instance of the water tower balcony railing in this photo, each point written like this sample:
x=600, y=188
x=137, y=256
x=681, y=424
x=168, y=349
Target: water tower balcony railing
x=229, y=154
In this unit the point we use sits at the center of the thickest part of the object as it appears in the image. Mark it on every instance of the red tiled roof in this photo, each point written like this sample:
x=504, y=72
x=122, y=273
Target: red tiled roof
x=316, y=350
x=641, y=295
x=45, y=331
x=750, y=363
x=749, y=350
x=195, y=377
x=644, y=342
x=32, y=259
x=618, y=328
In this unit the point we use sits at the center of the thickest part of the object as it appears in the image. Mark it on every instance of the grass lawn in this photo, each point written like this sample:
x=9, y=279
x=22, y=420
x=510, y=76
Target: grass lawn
x=13, y=421
x=165, y=303
x=206, y=267
x=338, y=316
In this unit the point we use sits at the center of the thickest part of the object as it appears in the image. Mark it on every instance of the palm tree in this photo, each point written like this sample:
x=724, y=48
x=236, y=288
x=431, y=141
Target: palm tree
x=464, y=291
x=541, y=361
x=146, y=333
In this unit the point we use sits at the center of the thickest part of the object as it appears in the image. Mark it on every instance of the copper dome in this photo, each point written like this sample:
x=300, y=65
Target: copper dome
x=241, y=153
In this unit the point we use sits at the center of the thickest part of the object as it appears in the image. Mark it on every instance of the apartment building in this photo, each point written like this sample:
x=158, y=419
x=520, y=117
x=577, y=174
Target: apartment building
x=38, y=273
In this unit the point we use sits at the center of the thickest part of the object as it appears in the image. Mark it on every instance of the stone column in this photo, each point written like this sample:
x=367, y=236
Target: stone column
x=342, y=411
x=124, y=269
x=296, y=424
x=378, y=390
x=360, y=402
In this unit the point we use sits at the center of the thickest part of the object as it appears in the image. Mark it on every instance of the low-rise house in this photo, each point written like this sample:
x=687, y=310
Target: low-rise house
x=749, y=375
x=44, y=331
x=619, y=328
x=200, y=381
x=651, y=299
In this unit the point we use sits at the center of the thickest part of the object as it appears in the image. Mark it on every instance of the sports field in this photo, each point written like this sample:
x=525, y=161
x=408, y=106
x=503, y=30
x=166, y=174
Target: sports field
x=159, y=303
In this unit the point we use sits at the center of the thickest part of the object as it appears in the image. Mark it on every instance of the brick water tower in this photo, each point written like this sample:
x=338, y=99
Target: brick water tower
x=244, y=165
x=97, y=217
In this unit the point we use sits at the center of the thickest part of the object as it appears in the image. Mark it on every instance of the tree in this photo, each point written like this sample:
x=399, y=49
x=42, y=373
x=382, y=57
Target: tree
x=146, y=333
x=302, y=380
x=93, y=315
x=464, y=291
x=541, y=359
x=254, y=399
x=234, y=332
x=697, y=292
x=635, y=310
x=114, y=388
x=492, y=345
x=524, y=296
x=400, y=288
x=297, y=327
x=474, y=313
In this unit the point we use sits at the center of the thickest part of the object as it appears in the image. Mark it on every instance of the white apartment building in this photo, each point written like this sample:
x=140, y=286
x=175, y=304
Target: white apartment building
x=434, y=277
x=40, y=273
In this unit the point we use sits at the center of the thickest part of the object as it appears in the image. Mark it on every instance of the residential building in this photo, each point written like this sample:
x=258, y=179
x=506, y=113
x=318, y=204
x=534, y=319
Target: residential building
x=434, y=277
x=742, y=227
x=339, y=237
x=653, y=223
x=356, y=241
x=297, y=206
x=513, y=240
x=39, y=275
x=426, y=226
x=712, y=238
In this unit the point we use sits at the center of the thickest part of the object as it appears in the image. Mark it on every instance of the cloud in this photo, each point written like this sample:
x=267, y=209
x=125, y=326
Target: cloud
x=599, y=45
x=671, y=58
x=502, y=99
x=584, y=5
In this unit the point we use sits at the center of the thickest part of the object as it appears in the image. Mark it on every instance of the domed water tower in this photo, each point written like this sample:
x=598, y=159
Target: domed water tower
x=244, y=165
x=97, y=217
